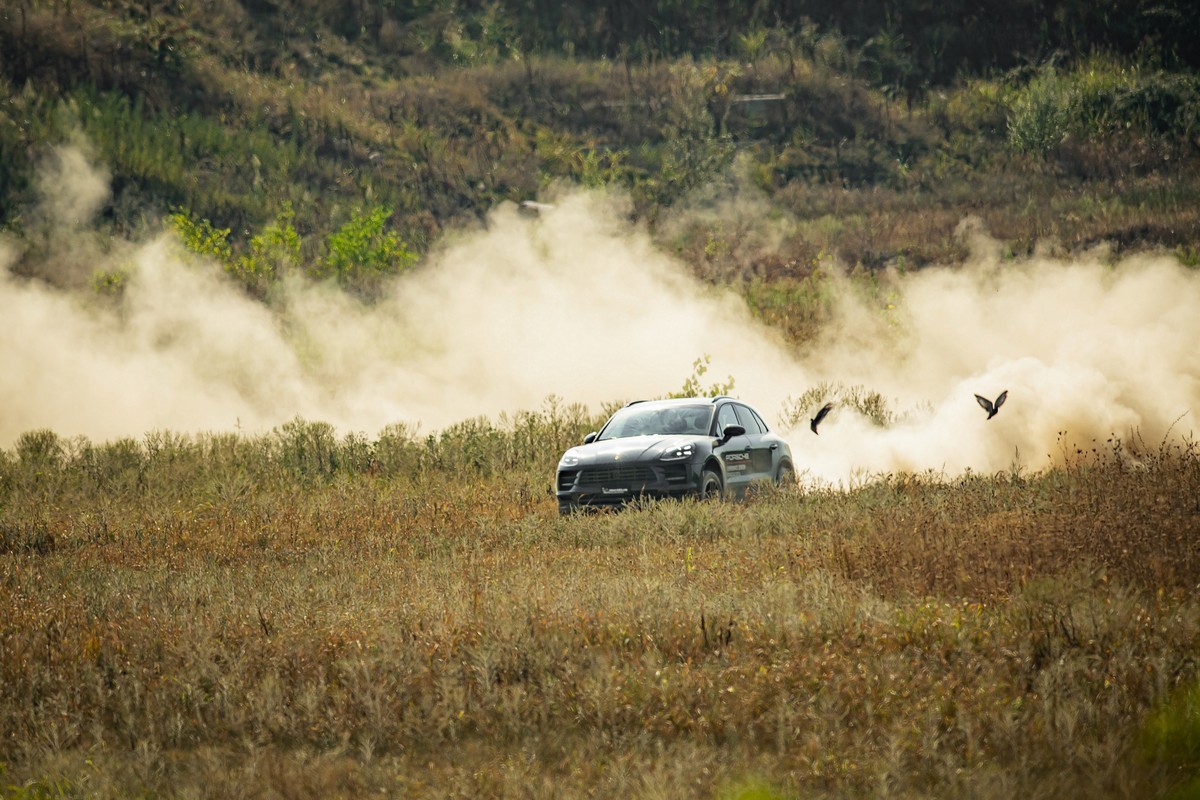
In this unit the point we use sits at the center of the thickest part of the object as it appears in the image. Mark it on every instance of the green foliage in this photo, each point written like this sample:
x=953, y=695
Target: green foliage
x=586, y=163
x=979, y=106
x=21, y=536
x=1114, y=96
x=271, y=254
x=752, y=790
x=487, y=36
x=1103, y=97
x=202, y=237
x=1171, y=738
x=370, y=119
x=1189, y=256
x=1041, y=116
x=752, y=43
x=358, y=254
x=796, y=306
x=595, y=169
x=694, y=386
x=308, y=450
x=110, y=282
x=22, y=120
x=298, y=453
x=40, y=451
x=362, y=251
x=46, y=789
x=891, y=63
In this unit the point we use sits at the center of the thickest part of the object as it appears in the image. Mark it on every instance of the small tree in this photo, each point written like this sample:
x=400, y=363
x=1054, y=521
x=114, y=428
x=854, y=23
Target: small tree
x=362, y=252
x=1040, y=117
x=693, y=387
x=271, y=254
x=202, y=237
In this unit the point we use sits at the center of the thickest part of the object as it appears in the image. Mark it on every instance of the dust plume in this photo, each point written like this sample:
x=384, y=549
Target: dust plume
x=1087, y=350
x=580, y=304
x=574, y=304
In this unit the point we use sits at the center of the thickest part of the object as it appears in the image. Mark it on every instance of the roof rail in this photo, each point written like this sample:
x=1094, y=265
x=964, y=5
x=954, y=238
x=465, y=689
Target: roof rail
x=721, y=397
x=633, y=403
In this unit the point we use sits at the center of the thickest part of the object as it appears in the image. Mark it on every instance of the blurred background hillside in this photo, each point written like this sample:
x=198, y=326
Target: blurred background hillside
x=264, y=130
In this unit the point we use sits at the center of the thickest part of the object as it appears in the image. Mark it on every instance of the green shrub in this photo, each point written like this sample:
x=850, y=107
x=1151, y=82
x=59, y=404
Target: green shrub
x=1171, y=738
x=1040, y=117
x=307, y=450
x=1102, y=97
x=40, y=450
x=202, y=237
x=1115, y=97
x=271, y=254
x=362, y=251
x=694, y=387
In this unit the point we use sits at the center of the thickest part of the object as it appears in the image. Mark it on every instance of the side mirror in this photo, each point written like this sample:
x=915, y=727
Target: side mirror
x=591, y=437
x=732, y=431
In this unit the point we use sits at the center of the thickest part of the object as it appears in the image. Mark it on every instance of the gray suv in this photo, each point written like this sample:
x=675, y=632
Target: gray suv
x=707, y=447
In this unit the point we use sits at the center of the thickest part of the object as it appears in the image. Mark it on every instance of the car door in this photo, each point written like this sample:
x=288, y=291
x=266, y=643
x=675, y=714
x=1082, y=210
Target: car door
x=759, y=446
x=734, y=454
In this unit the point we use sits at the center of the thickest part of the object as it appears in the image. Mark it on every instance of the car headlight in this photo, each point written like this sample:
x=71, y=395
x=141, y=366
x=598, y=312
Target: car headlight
x=681, y=453
x=568, y=460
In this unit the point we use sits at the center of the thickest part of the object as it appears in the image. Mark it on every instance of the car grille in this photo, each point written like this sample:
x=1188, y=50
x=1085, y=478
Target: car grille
x=621, y=474
x=632, y=476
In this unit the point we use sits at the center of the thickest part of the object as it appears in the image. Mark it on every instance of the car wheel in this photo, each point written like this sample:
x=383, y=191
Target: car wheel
x=711, y=487
x=785, y=476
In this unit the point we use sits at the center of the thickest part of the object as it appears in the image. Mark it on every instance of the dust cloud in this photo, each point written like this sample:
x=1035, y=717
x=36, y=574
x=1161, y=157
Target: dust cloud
x=1086, y=350
x=579, y=304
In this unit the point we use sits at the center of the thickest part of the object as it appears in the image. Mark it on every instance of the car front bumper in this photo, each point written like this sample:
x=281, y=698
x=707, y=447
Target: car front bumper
x=613, y=485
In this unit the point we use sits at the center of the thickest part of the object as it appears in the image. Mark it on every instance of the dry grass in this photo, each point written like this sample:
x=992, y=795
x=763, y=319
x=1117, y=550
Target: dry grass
x=182, y=626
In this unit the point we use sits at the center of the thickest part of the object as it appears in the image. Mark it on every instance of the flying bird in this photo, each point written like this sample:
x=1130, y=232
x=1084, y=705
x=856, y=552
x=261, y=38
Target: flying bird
x=991, y=407
x=825, y=409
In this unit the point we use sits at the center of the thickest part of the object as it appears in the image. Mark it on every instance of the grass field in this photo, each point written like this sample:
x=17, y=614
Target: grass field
x=296, y=615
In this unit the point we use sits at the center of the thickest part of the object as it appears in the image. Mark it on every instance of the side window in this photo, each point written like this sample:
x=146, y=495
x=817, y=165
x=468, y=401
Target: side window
x=749, y=420
x=726, y=416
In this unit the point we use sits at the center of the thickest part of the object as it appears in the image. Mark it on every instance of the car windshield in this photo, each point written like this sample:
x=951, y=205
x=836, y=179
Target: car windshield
x=642, y=420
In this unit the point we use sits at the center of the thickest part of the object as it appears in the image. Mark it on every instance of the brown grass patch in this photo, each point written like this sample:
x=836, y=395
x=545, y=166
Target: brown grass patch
x=989, y=636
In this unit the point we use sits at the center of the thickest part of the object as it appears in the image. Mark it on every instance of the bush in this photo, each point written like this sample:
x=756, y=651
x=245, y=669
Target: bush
x=361, y=252
x=1171, y=738
x=1100, y=98
x=1040, y=117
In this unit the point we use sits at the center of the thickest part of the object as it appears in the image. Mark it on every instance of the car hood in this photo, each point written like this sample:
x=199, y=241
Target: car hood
x=631, y=448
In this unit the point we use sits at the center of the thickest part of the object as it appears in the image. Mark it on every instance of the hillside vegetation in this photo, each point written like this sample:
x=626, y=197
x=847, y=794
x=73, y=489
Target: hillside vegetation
x=271, y=127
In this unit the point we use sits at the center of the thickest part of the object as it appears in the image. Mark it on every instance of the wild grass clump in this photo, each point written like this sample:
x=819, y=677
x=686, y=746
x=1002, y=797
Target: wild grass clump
x=1171, y=739
x=867, y=402
x=298, y=454
x=1101, y=98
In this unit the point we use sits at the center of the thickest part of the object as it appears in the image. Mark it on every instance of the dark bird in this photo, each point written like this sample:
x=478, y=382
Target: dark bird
x=815, y=421
x=991, y=407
